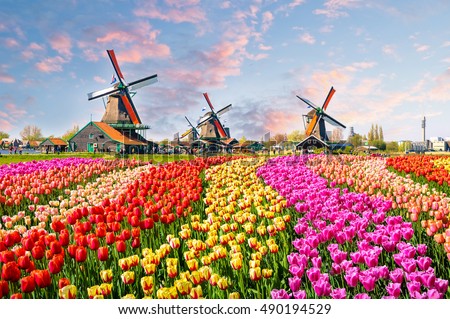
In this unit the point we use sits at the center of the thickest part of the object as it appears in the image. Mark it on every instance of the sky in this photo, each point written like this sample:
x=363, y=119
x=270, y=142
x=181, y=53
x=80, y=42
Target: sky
x=389, y=62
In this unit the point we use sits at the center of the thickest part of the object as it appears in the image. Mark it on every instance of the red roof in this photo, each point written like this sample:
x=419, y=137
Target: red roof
x=116, y=135
x=58, y=141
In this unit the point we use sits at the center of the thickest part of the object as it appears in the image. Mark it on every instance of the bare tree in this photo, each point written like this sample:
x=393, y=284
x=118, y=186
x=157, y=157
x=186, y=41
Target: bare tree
x=31, y=133
x=70, y=133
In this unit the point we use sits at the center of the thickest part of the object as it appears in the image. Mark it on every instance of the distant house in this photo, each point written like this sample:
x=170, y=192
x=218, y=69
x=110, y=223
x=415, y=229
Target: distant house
x=101, y=137
x=53, y=145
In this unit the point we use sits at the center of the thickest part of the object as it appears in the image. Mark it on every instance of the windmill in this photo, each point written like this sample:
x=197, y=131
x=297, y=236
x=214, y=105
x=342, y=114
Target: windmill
x=193, y=131
x=210, y=126
x=315, y=119
x=120, y=110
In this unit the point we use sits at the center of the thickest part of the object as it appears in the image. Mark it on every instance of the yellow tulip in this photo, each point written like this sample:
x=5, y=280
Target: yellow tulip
x=94, y=291
x=128, y=277
x=236, y=263
x=183, y=286
x=147, y=284
x=255, y=273
x=196, y=292
x=234, y=295
x=68, y=292
x=106, y=275
x=129, y=296
x=222, y=283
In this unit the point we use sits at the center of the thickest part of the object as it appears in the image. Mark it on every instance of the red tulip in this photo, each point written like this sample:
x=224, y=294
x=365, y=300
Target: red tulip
x=102, y=253
x=37, y=252
x=81, y=254
x=27, y=284
x=63, y=282
x=27, y=243
x=57, y=226
x=110, y=238
x=94, y=243
x=4, y=288
x=55, y=247
x=72, y=249
x=100, y=232
x=24, y=262
x=7, y=256
x=41, y=277
x=16, y=296
x=10, y=271
x=136, y=242
x=135, y=232
x=64, y=239
x=120, y=246
x=54, y=266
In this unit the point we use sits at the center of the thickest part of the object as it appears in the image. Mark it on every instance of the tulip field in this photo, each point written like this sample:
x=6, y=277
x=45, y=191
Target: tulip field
x=307, y=226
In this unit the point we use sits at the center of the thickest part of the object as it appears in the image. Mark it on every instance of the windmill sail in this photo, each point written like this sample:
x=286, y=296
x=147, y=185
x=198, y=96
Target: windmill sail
x=123, y=90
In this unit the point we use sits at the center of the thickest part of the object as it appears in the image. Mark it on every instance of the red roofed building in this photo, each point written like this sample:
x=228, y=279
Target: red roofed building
x=102, y=137
x=53, y=145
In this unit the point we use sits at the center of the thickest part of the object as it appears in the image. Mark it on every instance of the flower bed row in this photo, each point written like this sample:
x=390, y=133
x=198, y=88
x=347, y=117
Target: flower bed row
x=348, y=246
x=96, y=230
x=416, y=201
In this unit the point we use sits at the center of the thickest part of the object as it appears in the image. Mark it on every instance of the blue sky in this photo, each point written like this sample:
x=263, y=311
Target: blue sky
x=388, y=61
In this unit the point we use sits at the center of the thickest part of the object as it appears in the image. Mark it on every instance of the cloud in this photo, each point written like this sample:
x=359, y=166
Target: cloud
x=4, y=76
x=177, y=11
x=334, y=8
x=62, y=44
x=307, y=38
x=11, y=43
x=133, y=42
x=286, y=8
x=263, y=47
x=99, y=79
x=13, y=111
x=29, y=52
x=421, y=47
x=225, y=5
x=267, y=19
x=50, y=65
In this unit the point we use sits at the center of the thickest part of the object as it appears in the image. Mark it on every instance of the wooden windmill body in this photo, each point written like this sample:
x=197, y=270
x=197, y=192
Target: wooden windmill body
x=209, y=130
x=316, y=118
x=120, y=111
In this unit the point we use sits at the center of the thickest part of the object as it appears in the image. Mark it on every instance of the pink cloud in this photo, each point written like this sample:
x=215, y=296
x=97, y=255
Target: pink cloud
x=29, y=52
x=13, y=111
x=333, y=8
x=264, y=47
x=62, y=44
x=5, y=124
x=50, y=65
x=11, y=43
x=144, y=37
x=421, y=47
x=307, y=38
x=290, y=6
x=283, y=121
x=178, y=12
x=6, y=78
x=99, y=79
x=267, y=19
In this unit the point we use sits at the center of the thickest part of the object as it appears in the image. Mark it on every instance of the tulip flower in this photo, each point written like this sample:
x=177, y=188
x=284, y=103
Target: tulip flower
x=63, y=282
x=68, y=292
x=11, y=271
x=147, y=285
x=196, y=292
x=27, y=284
x=106, y=275
x=128, y=277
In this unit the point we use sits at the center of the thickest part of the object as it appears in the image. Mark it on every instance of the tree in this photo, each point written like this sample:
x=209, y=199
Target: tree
x=31, y=133
x=392, y=146
x=371, y=134
x=376, y=136
x=70, y=133
x=279, y=137
x=242, y=139
x=380, y=133
x=295, y=136
x=355, y=140
x=3, y=135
